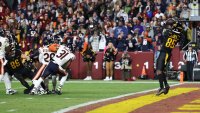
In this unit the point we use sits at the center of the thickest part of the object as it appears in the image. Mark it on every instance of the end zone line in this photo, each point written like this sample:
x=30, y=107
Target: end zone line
x=102, y=100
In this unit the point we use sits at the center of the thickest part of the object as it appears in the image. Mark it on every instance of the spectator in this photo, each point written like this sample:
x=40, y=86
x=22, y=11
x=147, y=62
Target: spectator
x=131, y=43
x=139, y=27
x=94, y=40
x=102, y=42
x=147, y=39
x=158, y=35
x=111, y=39
x=185, y=13
x=120, y=28
x=128, y=6
x=121, y=42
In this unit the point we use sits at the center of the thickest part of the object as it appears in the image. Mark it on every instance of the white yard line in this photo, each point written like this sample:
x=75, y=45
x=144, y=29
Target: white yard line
x=102, y=100
x=112, y=82
x=11, y=110
x=118, y=81
x=68, y=98
x=3, y=102
x=29, y=98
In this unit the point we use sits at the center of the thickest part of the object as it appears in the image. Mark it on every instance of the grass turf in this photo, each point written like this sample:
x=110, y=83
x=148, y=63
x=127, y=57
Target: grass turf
x=74, y=92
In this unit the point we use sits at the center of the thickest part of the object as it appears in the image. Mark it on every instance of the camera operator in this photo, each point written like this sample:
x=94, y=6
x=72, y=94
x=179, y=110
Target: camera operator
x=126, y=66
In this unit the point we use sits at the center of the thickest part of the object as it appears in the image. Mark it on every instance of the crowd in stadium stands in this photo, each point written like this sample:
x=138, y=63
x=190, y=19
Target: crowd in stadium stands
x=133, y=25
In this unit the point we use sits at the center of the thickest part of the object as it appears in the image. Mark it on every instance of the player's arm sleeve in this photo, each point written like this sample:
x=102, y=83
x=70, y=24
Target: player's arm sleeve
x=40, y=55
x=40, y=58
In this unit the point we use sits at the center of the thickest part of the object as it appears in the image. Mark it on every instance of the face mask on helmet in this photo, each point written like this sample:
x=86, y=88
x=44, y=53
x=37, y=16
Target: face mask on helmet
x=177, y=28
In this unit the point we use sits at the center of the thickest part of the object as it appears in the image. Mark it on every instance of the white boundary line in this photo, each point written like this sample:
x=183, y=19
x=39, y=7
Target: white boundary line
x=102, y=100
x=112, y=82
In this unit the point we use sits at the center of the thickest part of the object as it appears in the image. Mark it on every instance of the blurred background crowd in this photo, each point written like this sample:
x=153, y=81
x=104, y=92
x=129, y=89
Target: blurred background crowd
x=132, y=25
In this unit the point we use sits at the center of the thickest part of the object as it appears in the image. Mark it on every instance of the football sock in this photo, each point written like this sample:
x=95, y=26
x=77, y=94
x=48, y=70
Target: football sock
x=37, y=83
x=165, y=80
x=22, y=80
x=43, y=85
x=46, y=83
x=25, y=84
x=160, y=76
x=54, y=81
x=7, y=81
x=63, y=79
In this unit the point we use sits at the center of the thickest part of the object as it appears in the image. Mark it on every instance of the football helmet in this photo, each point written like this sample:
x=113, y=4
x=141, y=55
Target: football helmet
x=177, y=28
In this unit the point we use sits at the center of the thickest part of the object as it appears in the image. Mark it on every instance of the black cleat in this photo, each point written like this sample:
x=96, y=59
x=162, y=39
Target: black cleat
x=27, y=91
x=53, y=92
x=160, y=91
x=58, y=92
x=166, y=90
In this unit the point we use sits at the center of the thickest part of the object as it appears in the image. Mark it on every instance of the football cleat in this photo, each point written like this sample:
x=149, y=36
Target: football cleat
x=166, y=89
x=48, y=92
x=160, y=91
x=26, y=91
x=53, y=92
x=58, y=92
x=34, y=91
x=43, y=92
x=11, y=92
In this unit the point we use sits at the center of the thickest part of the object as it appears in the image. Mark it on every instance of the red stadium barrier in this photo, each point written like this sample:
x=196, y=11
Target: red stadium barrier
x=96, y=69
x=139, y=60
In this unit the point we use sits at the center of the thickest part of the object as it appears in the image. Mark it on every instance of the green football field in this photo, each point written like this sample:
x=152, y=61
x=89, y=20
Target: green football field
x=74, y=92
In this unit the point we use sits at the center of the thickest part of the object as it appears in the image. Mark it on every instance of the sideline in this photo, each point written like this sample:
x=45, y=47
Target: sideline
x=102, y=100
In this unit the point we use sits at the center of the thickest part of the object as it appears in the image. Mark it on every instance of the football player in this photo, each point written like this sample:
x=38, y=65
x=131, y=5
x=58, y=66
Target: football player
x=4, y=46
x=172, y=36
x=45, y=56
x=16, y=67
x=62, y=59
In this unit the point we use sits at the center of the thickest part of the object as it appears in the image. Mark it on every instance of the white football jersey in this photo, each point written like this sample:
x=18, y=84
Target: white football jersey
x=63, y=55
x=45, y=55
x=3, y=44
